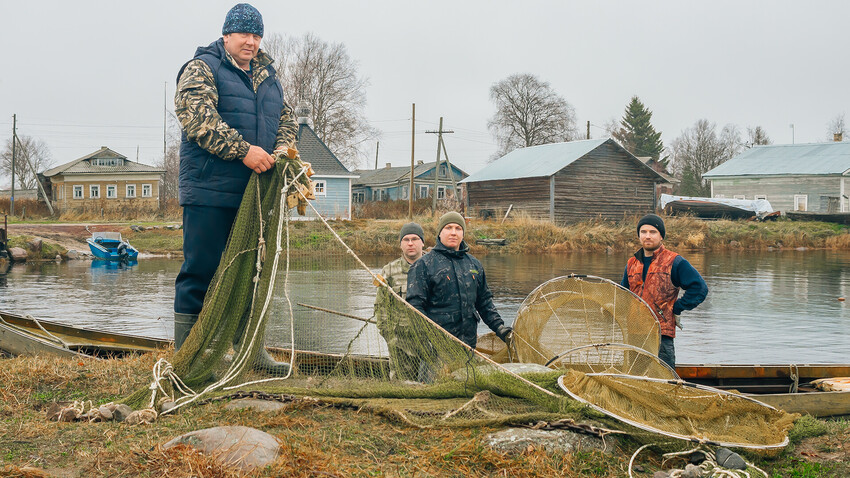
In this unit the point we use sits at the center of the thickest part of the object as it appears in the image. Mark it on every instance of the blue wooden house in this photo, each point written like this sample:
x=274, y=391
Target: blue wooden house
x=332, y=178
x=393, y=183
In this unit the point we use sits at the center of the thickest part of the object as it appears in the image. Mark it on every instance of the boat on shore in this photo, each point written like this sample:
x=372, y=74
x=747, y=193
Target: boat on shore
x=110, y=246
x=718, y=208
x=836, y=217
x=26, y=335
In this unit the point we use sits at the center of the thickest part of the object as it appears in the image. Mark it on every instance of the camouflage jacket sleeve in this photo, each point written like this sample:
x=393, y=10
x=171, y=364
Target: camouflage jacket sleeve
x=287, y=130
x=196, y=105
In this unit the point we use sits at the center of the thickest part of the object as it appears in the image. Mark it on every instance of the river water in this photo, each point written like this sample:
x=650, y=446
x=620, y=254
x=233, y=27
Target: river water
x=762, y=307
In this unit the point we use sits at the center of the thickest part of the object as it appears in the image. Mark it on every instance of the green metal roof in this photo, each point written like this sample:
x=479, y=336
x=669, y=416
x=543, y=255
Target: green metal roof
x=787, y=159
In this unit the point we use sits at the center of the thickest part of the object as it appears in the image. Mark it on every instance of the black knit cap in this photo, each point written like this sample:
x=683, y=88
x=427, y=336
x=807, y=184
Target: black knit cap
x=243, y=18
x=411, y=228
x=654, y=221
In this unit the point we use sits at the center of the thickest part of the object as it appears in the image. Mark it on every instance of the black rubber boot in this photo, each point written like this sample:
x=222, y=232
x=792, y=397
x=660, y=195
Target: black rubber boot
x=182, y=326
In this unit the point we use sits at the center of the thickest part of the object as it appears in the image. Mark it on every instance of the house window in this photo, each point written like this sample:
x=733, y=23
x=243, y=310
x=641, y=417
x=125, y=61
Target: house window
x=760, y=196
x=147, y=190
x=357, y=197
x=78, y=191
x=94, y=191
x=376, y=194
x=423, y=192
x=740, y=196
x=404, y=191
x=107, y=162
x=441, y=192
x=443, y=170
x=800, y=202
x=320, y=186
x=111, y=191
x=131, y=190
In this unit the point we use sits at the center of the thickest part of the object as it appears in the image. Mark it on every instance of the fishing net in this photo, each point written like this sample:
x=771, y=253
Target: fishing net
x=682, y=410
x=574, y=311
x=614, y=358
x=334, y=326
x=294, y=310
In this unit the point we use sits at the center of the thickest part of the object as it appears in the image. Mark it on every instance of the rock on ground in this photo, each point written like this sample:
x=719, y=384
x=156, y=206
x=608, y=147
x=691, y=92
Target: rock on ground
x=253, y=403
x=516, y=440
x=18, y=254
x=242, y=447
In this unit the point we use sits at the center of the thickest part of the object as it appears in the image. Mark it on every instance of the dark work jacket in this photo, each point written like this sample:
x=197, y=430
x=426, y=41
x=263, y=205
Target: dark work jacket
x=206, y=179
x=449, y=287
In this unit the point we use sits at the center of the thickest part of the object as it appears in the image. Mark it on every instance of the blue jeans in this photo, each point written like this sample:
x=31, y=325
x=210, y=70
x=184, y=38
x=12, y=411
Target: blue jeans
x=666, y=352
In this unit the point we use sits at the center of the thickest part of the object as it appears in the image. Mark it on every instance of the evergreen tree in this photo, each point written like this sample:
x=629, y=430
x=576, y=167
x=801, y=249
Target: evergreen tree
x=636, y=132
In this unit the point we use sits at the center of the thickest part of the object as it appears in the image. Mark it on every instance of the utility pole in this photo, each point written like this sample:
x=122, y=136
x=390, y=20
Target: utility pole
x=412, y=149
x=439, y=134
x=588, y=129
x=164, y=117
x=449, y=167
x=14, y=142
x=377, y=148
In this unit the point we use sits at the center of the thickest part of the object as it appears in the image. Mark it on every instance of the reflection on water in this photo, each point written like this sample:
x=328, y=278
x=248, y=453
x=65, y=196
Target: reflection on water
x=767, y=307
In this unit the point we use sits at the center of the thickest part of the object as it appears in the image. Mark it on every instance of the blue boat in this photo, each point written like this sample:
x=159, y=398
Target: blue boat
x=109, y=246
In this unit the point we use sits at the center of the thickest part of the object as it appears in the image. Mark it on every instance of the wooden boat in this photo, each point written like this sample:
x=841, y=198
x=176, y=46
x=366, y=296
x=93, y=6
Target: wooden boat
x=836, y=217
x=786, y=387
x=109, y=246
x=21, y=335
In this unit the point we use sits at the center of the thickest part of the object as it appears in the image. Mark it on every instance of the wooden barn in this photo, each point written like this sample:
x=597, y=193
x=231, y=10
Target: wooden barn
x=565, y=182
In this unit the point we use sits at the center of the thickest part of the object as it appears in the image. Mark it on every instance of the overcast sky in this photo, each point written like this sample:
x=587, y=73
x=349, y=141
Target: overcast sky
x=84, y=74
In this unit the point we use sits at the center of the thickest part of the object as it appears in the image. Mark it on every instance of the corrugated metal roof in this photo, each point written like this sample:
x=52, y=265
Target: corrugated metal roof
x=84, y=166
x=787, y=159
x=377, y=177
x=316, y=152
x=540, y=161
x=535, y=161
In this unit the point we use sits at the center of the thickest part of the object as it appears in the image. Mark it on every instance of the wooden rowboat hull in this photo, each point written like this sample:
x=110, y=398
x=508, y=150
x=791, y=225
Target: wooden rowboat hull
x=21, y=335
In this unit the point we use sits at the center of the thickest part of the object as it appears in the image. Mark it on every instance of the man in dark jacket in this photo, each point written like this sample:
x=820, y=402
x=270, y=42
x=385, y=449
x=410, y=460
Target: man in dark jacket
x=230, y=105
x=656, y=274
x=448, y=285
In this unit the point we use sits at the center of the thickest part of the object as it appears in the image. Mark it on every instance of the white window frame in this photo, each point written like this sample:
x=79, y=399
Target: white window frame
x=423, y=191
x=801, y=199
x=111, y=191
x=441, y=192
x=127, y=191
x=760, y=196
x=78, y=191
x=320, y=186
x=94, y=191
x=404, y=190
x=357, y=197
x=147, y=190
x=740, y=196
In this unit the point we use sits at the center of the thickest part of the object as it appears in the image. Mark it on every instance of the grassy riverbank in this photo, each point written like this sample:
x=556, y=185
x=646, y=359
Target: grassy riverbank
x=523, y=236
x=318, y=439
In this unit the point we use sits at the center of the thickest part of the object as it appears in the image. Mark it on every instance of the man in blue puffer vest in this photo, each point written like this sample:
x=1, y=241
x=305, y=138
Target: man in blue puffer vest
x=230, y=105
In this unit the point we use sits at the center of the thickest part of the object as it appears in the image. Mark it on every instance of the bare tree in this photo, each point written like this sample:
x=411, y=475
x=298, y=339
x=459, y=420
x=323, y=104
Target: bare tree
x=757, y=136
x=698, y=150
x=836, y=126
x=529, y=113
x=324, y=76
x=29, y=152
x=171, y=162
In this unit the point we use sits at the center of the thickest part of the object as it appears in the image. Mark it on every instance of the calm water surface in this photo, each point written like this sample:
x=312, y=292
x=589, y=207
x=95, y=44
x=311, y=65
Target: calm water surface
x=771, y=307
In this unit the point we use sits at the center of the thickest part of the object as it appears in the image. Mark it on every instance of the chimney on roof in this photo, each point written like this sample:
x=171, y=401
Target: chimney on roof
x=838, y=137
x=103, y=147
x=389, y=165
x=302, y=112
x=420, y=162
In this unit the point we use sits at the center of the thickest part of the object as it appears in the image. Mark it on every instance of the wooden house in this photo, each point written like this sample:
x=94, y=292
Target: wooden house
x=103, y=179
x=565, y=182
x=393, y=183
x=332, y=178
x=792, y=177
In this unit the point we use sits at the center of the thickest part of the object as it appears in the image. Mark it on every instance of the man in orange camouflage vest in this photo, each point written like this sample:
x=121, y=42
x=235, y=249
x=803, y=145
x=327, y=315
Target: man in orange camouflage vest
x=656, y=275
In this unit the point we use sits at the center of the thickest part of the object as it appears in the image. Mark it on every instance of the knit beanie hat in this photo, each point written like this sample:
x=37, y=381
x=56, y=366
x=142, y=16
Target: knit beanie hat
x=243, y=18
x=411, y=228
x=654, y=221
x=449, y=218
